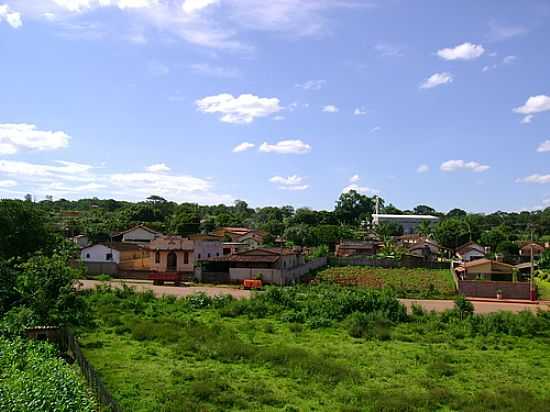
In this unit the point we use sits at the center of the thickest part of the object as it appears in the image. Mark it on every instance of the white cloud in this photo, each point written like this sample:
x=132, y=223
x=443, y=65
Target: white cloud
x=499, y=32
x=544, y=146
x=509, y=59
x=423, y=168
x=360, y=189
x=158, y=168
x=215, y=71
x=70, y=178
x=534, y=104
x=527, y=119
x=354, y=179
x=239, y=110
x=80, y=6
x=536, y=178
x=11, y=17
x=294, y=182
x=278, y=117
x=22, y=136
x=388, y=50
x=312, y=85
x=359, y=111
x=196, y=6
x=375, y=129
x=330, y=108
x=63, y=170
x=464, y=51
x=437, y=79
x=243, y=147
x=454, y=165
x=286, y=147
x=6, y=184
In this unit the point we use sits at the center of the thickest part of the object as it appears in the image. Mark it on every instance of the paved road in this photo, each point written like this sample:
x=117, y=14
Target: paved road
x=437, y=305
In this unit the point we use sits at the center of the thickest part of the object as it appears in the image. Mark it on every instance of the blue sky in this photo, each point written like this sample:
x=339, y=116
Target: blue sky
x=285, y=102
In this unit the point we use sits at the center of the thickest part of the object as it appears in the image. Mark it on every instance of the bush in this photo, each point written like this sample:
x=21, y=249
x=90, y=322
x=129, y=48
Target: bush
x=34, y=378
x=464, y=307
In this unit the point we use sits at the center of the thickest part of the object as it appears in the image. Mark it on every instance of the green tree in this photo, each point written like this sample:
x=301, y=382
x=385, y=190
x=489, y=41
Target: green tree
x=352, y=208
x=24, y=229
x=451, y=233
x=424, y=210
x=493, y=237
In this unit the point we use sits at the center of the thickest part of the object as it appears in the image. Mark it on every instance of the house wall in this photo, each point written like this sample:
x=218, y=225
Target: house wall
x=101, y=268
x=277, y=276
x=137, y=260
x=204, y=249
x=98, y=253
x=181, y=266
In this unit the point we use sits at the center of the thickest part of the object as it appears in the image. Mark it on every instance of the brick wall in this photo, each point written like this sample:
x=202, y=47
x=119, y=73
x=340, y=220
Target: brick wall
x=488, y=289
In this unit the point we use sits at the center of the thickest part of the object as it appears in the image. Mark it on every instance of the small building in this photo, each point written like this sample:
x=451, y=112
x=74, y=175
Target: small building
x=253, y=238
x=527, y=248
x=81, y=241
x=427, y=249
x=182, y=254
x=139, y=234
x=485, y=269
x=348, y=248
x=409, y=223
x=230, y=248
x=272, y=265
x=409, y=239
x=113, y=257
x=470, y=251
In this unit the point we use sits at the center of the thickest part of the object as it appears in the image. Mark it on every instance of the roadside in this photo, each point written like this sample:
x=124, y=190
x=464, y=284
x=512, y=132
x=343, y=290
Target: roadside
x=437, y=305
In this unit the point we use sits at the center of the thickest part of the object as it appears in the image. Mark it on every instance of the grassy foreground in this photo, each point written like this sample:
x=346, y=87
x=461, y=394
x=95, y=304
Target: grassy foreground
x=201, y=354
x=407, y=283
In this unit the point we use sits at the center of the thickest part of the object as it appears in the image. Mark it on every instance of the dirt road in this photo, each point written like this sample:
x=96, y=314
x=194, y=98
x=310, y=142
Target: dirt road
x=437, y=305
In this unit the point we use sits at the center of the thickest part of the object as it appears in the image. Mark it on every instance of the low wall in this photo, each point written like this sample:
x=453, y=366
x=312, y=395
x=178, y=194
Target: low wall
x=488, y=289
x=293, y=275
x=373, y=261
x=100, y=268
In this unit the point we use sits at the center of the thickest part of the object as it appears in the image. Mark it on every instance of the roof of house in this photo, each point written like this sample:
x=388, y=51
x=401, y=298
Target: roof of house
x=471, y=245
x=202, y=236
x=141, y=226
x=265, y=255
x=233, y=230
x=357, y=244
x=493, y=263
x=526, y=265
x=118, y=246
x=535, y=245
x=411, y=217
x=424, y=243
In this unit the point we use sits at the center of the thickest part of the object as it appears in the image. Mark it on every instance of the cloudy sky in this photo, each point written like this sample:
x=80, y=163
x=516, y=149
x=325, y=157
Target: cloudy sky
x=280, y=102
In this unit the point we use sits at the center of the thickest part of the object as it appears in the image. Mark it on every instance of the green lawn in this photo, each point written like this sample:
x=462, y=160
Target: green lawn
x=167, y=355
x=408, y=283
x=543, y=287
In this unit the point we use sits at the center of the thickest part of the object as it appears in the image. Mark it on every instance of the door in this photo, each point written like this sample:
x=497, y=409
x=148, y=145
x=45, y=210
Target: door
x=172, y=262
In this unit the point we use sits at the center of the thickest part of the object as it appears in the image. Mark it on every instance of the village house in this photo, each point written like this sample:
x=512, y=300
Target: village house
x=526, y=248
x=182, y=254
x=485, y=269
x=273, y=265
x=348, y=248
x=139, y=234
x=470, y=251
x=111, y=258
x=253, y=238
x=230, y=248
x=427, y=249
x=81, y=241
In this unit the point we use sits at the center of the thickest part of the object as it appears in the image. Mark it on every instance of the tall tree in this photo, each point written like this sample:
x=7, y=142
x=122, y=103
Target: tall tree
x=353, y=208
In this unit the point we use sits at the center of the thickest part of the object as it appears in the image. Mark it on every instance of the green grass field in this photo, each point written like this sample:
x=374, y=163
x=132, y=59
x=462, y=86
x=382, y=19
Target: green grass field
x=198, y=355
x=407, y=283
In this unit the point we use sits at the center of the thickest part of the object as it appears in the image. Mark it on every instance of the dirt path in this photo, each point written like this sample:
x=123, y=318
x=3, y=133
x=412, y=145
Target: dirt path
x=437, y=305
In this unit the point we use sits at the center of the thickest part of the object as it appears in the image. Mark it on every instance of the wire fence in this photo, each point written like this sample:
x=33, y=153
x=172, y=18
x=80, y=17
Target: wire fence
x=68, y=344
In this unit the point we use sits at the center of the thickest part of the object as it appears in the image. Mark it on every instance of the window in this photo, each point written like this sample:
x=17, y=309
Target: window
x=199, y=256
x=87, y=256
x=217, y=254
x=209, y=255
x=186, y=258
x=157, y=257
x=109, y=256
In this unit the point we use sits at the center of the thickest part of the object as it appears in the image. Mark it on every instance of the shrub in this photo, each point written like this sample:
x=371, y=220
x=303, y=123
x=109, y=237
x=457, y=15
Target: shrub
x=104, y=278
x=463, y=307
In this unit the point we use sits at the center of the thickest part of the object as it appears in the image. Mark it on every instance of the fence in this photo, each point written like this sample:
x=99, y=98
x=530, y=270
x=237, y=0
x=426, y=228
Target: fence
x=489, y=289
x=68, y=346
x=374, y=261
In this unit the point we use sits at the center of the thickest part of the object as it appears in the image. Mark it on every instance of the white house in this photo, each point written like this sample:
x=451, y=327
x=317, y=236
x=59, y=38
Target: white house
x=139, y=234
x=100, y=253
